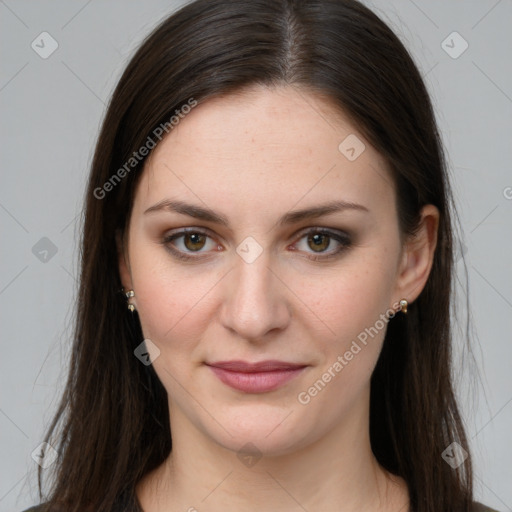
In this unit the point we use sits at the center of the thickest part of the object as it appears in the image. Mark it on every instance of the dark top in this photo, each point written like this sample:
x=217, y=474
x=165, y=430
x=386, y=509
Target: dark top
x=477, y=507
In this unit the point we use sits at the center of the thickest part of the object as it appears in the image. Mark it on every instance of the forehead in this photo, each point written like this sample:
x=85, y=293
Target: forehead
x=265, y=148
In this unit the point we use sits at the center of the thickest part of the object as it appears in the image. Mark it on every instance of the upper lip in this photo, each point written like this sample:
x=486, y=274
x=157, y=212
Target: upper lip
x=261, y=366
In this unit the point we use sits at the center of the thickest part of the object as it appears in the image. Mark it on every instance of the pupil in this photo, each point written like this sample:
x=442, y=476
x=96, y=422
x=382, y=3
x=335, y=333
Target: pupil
x=195, y=239
x=319, y=240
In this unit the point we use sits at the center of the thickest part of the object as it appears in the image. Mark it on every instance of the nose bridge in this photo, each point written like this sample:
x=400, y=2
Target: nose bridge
x=255, y=303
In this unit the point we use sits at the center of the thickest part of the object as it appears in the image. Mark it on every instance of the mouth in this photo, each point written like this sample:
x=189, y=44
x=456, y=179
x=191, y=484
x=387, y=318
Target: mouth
x=260, y=377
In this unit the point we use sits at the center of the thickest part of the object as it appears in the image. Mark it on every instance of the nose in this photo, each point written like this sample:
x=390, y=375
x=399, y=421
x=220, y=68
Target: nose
x=255, y=301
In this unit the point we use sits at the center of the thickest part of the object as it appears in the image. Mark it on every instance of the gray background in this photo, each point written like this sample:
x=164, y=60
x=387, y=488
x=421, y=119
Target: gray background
x=50, y=114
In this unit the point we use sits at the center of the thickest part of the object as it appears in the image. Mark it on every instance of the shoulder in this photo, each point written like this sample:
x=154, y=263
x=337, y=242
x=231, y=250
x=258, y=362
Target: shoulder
x=478, y=507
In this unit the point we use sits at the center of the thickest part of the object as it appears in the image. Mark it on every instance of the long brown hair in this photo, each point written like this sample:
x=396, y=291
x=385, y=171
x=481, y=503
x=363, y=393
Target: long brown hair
x=112, y=426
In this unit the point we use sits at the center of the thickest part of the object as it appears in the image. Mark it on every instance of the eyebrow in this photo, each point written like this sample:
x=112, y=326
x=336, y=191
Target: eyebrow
x=291, y=217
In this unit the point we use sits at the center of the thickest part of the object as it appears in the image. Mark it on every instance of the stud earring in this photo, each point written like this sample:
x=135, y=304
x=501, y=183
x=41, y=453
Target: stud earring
x=129, y=294
x=403, y=306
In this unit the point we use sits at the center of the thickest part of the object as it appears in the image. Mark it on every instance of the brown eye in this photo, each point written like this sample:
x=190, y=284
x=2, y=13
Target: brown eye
x=319, y=242
x=194, y=241
x=184, y=243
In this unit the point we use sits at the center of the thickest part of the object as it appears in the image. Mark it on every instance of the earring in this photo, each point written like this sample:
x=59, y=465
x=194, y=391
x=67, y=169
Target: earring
x=129, y=294
x=403, y=306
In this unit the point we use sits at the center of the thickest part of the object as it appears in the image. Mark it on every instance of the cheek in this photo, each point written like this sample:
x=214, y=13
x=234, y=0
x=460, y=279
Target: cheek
x=356, y=307
x=349, y=298
x=173, y=301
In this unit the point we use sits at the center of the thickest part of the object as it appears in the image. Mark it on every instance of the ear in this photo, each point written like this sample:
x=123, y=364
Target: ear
x=123, y=261
x=418, y=256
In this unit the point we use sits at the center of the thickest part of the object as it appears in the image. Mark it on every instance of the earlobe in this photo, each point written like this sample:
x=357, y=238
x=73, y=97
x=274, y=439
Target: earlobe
x=418, y=255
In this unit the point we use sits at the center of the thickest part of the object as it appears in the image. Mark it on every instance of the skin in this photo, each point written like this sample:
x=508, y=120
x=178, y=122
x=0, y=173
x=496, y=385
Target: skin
x=253, y=157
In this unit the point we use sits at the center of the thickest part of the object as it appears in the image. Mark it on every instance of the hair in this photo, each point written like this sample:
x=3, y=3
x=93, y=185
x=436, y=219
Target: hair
x=112, y=425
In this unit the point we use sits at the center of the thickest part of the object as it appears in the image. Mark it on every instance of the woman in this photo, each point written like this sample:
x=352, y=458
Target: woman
x=263, y=317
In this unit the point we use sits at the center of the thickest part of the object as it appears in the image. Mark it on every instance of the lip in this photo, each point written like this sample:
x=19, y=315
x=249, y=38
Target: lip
x=259, y=377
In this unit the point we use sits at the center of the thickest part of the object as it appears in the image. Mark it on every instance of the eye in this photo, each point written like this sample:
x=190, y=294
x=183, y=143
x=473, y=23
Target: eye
x=319, y=240
x=193, y=241
x=184, y=243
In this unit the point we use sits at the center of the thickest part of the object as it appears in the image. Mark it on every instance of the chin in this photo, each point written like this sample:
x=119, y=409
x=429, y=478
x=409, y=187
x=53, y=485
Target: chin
x=261, y=430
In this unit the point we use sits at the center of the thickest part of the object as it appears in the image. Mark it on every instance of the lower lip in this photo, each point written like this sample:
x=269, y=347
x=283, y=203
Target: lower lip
x=259, y=382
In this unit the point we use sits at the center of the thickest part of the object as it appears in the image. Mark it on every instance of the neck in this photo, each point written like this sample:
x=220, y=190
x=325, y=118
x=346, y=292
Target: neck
x=337, y=472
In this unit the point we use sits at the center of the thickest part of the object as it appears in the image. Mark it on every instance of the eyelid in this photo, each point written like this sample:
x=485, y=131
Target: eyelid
x=322, y=229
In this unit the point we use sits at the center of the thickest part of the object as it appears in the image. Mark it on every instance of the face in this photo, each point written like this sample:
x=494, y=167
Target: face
x=256, y=281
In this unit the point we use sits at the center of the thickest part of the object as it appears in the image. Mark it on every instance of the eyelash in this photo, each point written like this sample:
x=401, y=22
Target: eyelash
x=342, y=239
